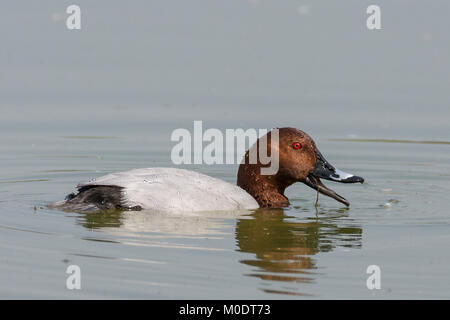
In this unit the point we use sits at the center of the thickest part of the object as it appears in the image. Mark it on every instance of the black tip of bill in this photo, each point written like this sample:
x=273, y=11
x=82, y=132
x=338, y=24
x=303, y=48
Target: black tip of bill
x=352, y=179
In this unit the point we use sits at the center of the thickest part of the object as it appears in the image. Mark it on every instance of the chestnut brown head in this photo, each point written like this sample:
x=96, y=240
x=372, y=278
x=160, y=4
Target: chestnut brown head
x=299, y=160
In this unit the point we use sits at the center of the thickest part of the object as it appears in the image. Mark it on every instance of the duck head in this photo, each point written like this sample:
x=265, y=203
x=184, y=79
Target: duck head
x=299, y=160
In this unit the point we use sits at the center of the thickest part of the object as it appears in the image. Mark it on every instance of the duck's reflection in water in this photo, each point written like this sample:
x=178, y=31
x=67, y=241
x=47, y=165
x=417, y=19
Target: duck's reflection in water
x=99, y=220
x=284, y=246
x=140, y=223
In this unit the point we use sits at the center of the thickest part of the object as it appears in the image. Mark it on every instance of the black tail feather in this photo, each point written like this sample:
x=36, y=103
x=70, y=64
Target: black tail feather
x=93, y=199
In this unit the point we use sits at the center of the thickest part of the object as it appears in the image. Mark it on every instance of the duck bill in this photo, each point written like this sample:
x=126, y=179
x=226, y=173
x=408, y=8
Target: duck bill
x=324, y=170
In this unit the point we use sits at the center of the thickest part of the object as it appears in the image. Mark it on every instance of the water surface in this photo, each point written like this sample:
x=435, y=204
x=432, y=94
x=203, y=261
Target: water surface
x=76, y=105
x=398, y=220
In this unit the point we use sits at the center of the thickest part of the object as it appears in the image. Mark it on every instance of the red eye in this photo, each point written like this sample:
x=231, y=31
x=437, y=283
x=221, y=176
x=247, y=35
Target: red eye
x=297, y=145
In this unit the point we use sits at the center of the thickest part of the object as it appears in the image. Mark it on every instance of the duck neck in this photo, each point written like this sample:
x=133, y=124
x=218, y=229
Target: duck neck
x=268, y=190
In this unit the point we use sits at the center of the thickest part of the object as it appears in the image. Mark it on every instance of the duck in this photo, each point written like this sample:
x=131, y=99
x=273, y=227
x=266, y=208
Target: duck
x=179, y=190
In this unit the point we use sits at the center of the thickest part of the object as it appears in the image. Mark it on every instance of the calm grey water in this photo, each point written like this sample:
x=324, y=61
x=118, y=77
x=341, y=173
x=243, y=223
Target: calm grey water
x=398, y=220
x=76, y=105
